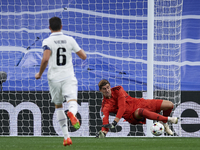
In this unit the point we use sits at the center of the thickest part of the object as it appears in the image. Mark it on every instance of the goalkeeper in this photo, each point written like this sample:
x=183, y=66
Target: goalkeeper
x=133, y=110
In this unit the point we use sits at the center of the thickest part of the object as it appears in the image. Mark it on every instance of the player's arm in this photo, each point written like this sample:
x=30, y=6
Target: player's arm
x=105, y=120
x=82, y=54
x=121, y=105
x=122, y=108
x=44, y=63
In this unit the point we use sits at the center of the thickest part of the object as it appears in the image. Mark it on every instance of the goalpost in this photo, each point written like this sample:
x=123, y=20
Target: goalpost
x=114, y=34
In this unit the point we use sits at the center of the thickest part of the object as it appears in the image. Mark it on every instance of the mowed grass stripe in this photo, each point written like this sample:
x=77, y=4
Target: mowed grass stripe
x=108, y=143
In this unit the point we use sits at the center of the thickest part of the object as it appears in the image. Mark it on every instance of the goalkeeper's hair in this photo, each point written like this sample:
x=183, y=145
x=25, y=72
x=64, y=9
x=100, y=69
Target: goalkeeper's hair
x=103, y=83
x=55, y=23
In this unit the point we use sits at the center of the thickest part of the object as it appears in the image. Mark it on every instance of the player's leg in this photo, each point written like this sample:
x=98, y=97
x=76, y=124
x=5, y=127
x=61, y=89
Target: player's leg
x=56, y=95
x=69, y=91
x=145, y=113
x=167, y=108
x=141, y=112
x=72, y=105
x=151, y=109
x=62, y=120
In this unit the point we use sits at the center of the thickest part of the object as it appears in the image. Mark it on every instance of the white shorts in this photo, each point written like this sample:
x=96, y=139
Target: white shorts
x=63, y=90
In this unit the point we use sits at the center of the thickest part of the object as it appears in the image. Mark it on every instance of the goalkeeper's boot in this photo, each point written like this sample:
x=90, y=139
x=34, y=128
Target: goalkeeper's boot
x=68, y=142
x=173, y=120
x=75, y=122
x=167, y=129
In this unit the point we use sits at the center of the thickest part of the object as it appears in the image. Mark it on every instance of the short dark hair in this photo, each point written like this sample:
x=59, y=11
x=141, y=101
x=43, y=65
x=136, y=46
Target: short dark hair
x=103, y=83
x=55, y=23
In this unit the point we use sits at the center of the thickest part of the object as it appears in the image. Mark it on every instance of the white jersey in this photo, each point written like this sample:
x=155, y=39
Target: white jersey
x=60, y=61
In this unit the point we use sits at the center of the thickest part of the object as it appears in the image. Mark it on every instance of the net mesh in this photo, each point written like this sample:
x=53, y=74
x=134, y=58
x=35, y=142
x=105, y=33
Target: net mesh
x=114, y=35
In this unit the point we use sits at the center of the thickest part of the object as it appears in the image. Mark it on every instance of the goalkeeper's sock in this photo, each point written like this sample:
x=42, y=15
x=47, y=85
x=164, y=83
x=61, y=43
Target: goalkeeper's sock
x=167, y=112
x=62, y=120
x=73, y=107
x=151, y=115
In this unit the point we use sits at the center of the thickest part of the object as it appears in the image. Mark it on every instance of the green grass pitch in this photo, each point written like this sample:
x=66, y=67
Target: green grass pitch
x=91, y=143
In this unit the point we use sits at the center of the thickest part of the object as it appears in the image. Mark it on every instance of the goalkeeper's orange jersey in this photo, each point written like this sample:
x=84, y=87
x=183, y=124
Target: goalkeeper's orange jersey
x=120, y=104
x=123, y=105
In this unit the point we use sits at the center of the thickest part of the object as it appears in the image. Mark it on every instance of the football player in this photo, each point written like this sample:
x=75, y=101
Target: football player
x=61, y=78
x=133, y=110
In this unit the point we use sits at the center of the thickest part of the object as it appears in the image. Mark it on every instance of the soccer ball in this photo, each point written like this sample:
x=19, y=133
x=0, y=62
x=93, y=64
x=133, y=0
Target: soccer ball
x=157, y=129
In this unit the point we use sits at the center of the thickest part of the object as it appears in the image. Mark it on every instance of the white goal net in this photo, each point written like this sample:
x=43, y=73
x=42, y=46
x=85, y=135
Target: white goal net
x=167, y=53
x=114, y=35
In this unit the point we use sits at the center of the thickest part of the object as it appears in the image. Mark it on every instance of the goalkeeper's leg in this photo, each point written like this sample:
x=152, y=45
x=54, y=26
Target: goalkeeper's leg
x=145, y=113
x=167, y=108
x=164, y=105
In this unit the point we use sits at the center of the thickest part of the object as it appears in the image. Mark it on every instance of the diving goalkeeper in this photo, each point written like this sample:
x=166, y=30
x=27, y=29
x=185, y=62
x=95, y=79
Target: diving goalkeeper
x=133, y=110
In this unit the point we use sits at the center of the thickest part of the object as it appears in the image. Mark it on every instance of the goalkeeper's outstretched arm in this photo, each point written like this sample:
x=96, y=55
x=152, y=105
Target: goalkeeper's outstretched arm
x=105, y=128
x=113, y=124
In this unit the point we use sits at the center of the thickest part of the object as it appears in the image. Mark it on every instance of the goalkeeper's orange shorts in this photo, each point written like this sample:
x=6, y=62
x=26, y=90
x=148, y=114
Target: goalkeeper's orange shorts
x=153, y=105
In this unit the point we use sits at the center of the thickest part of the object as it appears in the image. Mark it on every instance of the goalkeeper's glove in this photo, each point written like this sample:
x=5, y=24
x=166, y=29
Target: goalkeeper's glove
x=110, y=126
x=101, y=134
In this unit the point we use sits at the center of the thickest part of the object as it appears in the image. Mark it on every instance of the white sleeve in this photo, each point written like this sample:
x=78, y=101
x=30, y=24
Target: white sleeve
x=44, y=42
x=46, y=45
x=75, y=45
